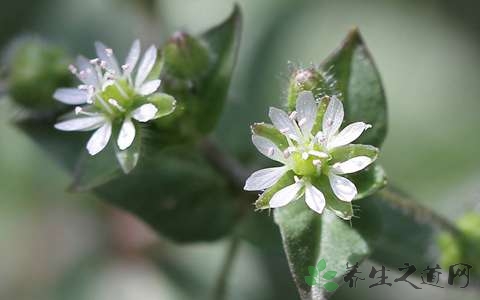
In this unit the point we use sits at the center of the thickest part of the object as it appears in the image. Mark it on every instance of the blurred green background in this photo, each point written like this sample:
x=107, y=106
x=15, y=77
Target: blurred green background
x=56, y=245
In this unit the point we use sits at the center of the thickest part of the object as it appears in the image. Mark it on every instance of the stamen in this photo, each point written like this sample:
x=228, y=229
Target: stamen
x=103, y=64
x=78, y=110
x=318, y=153
x=72, y=69
x=116, y=104
x=284, y=130
x=109, y=51
x=302, y=121
x=305, y=155
x=125, y=67
x=94, y=61
x=317, y=162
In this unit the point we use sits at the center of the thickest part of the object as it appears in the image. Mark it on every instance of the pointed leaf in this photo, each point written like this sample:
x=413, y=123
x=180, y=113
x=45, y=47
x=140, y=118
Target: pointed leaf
x=359, y=82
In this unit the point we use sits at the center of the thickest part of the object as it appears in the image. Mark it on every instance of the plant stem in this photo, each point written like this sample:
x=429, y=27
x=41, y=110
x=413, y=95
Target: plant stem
x=224, y=163
x=219, y=292
x=418, y=211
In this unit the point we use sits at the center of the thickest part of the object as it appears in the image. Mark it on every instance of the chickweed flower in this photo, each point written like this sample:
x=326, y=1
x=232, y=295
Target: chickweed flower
x=312, y=149
x=111, y=99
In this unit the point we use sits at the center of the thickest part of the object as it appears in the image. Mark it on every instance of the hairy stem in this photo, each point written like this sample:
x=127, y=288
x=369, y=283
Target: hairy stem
x=418, y=211
x=219, y=292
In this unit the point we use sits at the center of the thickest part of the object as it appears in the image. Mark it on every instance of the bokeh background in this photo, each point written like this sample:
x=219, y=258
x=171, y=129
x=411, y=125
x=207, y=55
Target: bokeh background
x=57, y=245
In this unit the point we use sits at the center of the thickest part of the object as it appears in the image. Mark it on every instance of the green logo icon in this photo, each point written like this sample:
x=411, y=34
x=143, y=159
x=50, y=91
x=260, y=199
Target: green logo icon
x=315, y=276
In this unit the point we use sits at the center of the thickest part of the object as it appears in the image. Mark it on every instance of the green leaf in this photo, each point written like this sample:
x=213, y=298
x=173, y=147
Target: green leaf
x=312, y=271
x=359, y=82
x=223, y=41
x=329, y=275
x=92, y=171
x=331, y=286
x=174, y=190
x=177, y=193
x=308, y=236
x=321, y=265
x=368, y=181
x=399, y=230
x=310, y=280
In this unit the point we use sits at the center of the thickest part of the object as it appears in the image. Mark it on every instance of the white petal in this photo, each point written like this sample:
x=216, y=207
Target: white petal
x=306, y=111
x=99, y=139
x=283, y=123
x=86, y=73
x=314, y=198
x=352, y=165
x=333, y=117
x=126, y=134
x=71, y=96
x=149, y=87
x=285, y=195
x=145, y=112
x=132, y=57
x=80, y=124
x=348, y=135
x=146, y=65
x=343, y=188
x=264, y=178
x=268, y=148
x=108, y=58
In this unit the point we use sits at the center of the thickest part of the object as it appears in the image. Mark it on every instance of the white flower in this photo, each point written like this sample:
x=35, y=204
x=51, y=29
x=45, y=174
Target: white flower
x=309, y=154
x=111, y=96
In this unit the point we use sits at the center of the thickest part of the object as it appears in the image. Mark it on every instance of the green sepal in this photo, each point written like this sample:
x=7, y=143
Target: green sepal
x=368, y=181
x=270, y=132
x=347, y=152
x=264, y=199
x=165, y=103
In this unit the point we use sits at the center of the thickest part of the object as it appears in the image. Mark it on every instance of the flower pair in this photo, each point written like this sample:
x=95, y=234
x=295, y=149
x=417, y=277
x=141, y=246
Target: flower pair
x=316, y=155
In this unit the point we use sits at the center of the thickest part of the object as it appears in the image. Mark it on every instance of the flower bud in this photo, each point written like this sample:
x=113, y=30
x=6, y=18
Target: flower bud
x=35, y=70
x=185, y=56
x=304, y=80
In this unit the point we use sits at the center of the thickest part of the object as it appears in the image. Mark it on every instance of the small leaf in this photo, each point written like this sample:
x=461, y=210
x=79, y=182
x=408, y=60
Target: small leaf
x=359, y=82
x=331, y=286
x=322, y=264
x=312, y=271
x=329, y=275
x=310, y=280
